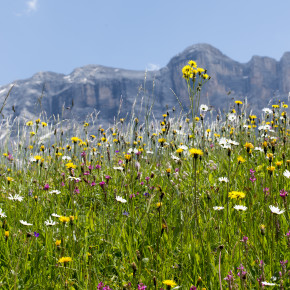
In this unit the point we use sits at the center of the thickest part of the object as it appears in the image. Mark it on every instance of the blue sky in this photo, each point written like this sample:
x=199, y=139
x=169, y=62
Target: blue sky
x=60, y=35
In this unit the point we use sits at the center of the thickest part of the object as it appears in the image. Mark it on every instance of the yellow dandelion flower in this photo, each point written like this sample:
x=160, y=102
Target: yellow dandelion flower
x=169, y=283
x=64, y=219
x=195, y=152
x=238, y=102
x=236, y=195
x=57, y=243
x=65, y=260
x=29, y=123
x=70, y=165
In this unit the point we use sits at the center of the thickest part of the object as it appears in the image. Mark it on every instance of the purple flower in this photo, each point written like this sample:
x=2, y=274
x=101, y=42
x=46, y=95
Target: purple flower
x=266, y=189
x=117, y=151
x=141, y=286
x=91, y=167
x=288, y=234
x=146, y=194
x=46, y=186
x=147, y=178
x=245, y=239
x=36, y=234
x=102, y=184
x=192, y=287
x=87, y=173
x=76, y=190
x=283, y=193
x=62, y=183
x=125, y=213
x=83, y=154
x=98, y=166
x=93, y=183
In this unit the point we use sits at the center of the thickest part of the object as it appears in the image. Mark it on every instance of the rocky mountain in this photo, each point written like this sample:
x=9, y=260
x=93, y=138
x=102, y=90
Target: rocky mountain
x=98, y=88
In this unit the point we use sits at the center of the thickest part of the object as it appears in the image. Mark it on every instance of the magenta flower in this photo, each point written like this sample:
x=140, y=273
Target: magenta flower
x=93, y=183
x=283, y=193
x=98, y=166
x=46, y=186
x=102, y=184
x=141, y=286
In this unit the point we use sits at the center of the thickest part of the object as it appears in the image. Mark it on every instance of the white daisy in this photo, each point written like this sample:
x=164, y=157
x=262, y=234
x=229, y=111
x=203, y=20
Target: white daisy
x=55, y=191
x=231, y=117
x=66, y=158
x=218, y=207
x=267, y=111
x=118, y=168
x=134, y=150
x=74, y=178
x=268, y=284
x=183, y=147
x=203, y=108
x=2, y=214
x=286, y=173
x=120, y=199
x=259, y=149
x=50, y=222
x=25, y=223
x=149, y=152
x=174, y=157
x=15, y=197
x=55, y=215
x=276, y=210
x=232, y=142
x=240, y=207
x=223, y=179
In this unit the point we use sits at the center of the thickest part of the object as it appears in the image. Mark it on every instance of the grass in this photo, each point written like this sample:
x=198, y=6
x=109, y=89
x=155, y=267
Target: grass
x=134, y=205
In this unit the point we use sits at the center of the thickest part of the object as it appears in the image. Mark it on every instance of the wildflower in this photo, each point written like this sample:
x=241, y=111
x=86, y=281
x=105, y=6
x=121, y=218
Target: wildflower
x=6, y=234
x=239, y=102
x=195, y=152
x=64, y=219
x=36, y=234
x=70, y=165
x=276, y=210
x=15, y=197
x=25, y=223
x=249, y=146
x=240, y=207
x=75, y=139
x=65, y=260
x=262, y=229
x=283, y=193
x=76, y=179
x=158, y=204
x=55, y=215
x=236, y=195
x=102, y=184
x=231, y=117
x=223, y=179
x=141, y=286
x=203, y=108
x=270, y=169
x=120, y=199
x=265, y=283
x=29, y=123
x=46, y=186
x=2, y=214
x=218, y=208
x=241, y=160
x=57, y=243
x=286, y=173
x=55, y=191
x=50, y=222
x=43, y=124
x=170, y=283
x=9, y=179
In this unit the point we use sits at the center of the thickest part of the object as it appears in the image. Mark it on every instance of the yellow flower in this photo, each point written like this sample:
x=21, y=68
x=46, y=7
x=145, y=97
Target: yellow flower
x=37, y=121
x=187, y=71
x=239, y=102
x=161, y=140
x=75, y=139
x=285, y=106
x=32, y=133
x=127, y=157
x=104, y=139
x=9, y=179
x=278, y=163
x=168, y=170
x=179, y=150
x=70, y=165
x=43, y=124
x=6, y=233
x=205, y=76
x=65, y=260
x=158, y=204
x=195, y=152
x=200, y=70
x=275, y=106
x=29, y=123
x=270, y=168
x=37, y=157
x=64, y=219
x=57, y=243
x=93, y=136
x=241, y=160
x=86, y=124
x=192, y=63
x=170, y=283
x=237, y=195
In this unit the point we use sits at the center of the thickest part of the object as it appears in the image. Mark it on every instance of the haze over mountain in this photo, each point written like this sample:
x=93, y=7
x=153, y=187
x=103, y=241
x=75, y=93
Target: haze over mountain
x=95, y=87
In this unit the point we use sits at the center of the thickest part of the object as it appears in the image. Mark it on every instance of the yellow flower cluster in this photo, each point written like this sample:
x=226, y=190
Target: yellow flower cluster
x=237, y=195
x=191, y=70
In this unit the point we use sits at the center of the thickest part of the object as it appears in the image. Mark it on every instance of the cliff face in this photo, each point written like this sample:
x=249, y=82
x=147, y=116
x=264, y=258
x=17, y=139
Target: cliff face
x=101, y=88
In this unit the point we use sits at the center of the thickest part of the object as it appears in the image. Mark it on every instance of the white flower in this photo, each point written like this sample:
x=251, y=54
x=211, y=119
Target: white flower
x=259, y=149
x=183, y=147
x=32, y=159
x=15, y=197
x=55, y=191
x=240, y=207
x=66, y=158
x=268, y=284
x=231, y=117
x=134, y=150
x=218, y=207
x=25, y=223
x=118, y=168
x=232, y=142
x=223, y=179
x=149, y=152
x=50, y=222
x=120, y=199
x=2, y=214
x=203, y=108
x=286, y=173
x=55, y=215
x=264, y=127
x=74, y=178
x=267, y=110
x=276, y=210
x=174, y=157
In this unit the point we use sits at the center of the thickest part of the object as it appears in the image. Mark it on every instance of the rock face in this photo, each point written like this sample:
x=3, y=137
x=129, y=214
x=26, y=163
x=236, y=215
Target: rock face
x=98, y=88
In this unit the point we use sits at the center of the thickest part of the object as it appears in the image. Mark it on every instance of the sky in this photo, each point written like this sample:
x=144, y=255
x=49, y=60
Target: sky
x=61, y=35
